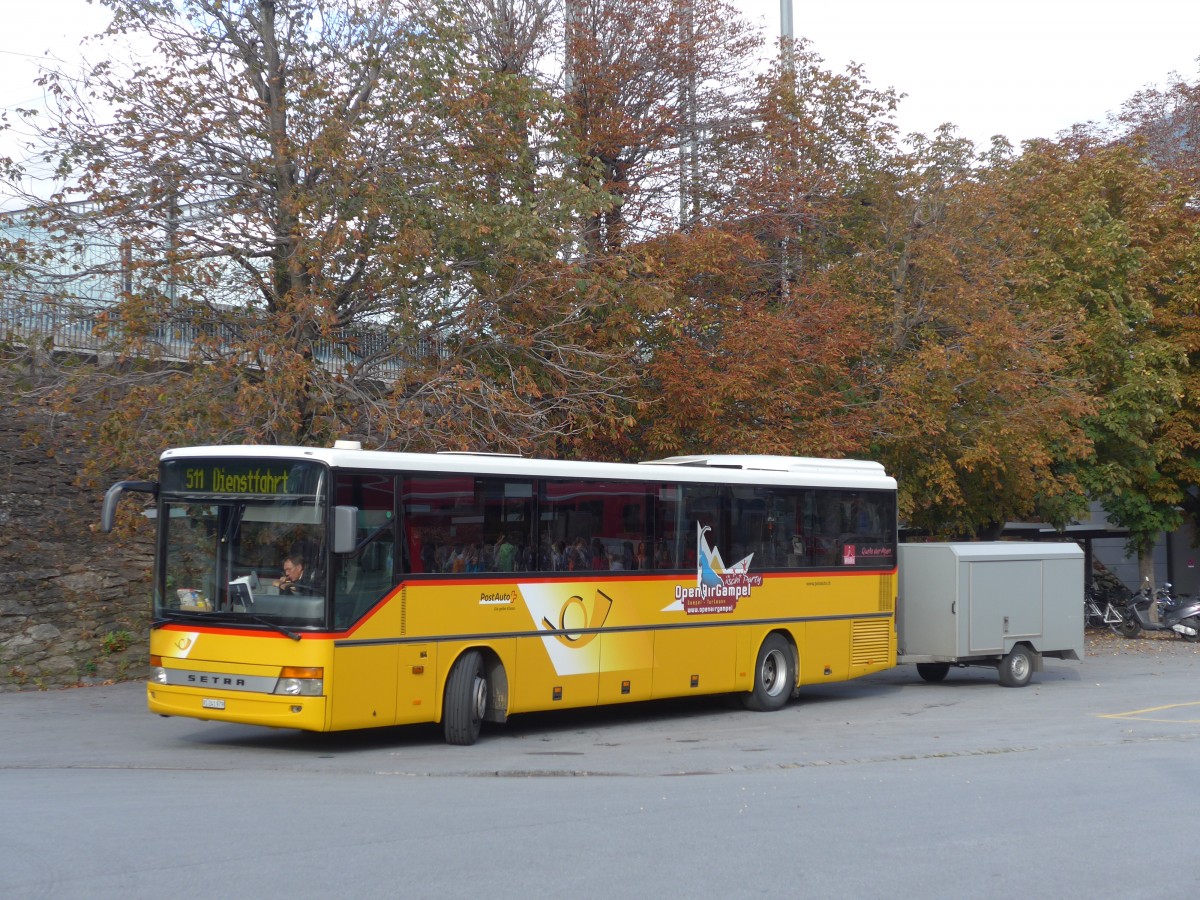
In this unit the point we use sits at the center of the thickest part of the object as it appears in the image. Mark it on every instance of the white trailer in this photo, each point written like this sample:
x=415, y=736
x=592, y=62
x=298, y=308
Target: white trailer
x=1002, y=604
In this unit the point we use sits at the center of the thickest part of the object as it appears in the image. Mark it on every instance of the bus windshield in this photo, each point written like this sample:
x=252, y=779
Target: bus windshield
x=243, y=543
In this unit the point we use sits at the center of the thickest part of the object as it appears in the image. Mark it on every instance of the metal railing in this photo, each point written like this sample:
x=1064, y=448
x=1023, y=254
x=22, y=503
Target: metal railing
x=74, y=324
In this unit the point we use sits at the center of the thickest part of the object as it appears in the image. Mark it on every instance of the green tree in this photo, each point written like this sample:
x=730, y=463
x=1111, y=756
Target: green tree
x=1166, y=120
x=1118, y=254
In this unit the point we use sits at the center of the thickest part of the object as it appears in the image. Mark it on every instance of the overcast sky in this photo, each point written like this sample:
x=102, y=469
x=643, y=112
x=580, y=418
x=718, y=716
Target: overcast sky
x=1022, y=68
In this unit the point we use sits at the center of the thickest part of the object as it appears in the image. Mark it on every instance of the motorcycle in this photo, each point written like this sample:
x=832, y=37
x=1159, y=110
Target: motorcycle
x=1181, y=615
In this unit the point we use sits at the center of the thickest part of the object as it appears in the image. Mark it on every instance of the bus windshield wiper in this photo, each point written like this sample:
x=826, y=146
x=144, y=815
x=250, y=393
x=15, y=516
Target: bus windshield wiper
x=177, y=615
x=224, y=618
x=276, y=626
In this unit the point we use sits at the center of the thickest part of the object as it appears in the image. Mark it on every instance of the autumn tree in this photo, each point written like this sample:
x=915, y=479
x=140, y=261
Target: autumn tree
x=761, y=349
x=1166, y=122
x=645, y=109
x=328, y=199
x=794, y=170
x=731, y=370
x=513, y=37
x=977, y=403
x=648, y=118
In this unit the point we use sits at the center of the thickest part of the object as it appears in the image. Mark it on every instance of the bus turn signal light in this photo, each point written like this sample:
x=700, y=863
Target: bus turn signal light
x=301, y=672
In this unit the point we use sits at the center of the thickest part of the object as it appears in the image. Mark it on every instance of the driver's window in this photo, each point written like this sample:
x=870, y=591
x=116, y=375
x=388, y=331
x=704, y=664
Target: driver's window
x=366, y=576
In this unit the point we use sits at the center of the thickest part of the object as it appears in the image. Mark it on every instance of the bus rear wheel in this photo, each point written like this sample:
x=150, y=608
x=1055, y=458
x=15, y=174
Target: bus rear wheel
x=774, y=676
x=466, y=699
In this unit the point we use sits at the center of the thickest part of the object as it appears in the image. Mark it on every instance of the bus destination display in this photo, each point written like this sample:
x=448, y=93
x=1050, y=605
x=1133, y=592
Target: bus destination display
x=252, y=477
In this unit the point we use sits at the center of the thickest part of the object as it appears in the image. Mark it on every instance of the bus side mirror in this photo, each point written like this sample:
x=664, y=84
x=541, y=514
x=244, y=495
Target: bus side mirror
x=345, y=529
x=113, y=496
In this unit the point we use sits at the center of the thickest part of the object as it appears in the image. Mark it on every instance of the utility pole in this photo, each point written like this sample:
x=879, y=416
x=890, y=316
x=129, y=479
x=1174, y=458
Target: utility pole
x=568, y=52
x=689, y=153
x=787, y=38
x=787, y=35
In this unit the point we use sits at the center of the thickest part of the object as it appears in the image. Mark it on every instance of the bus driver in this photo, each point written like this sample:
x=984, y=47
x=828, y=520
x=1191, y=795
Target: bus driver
x=295, y=576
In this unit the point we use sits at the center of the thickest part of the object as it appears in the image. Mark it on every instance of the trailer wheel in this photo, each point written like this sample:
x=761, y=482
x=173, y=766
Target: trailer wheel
x=774, y=676
x=933, y=672
x=1016, y=668
x=466, y=699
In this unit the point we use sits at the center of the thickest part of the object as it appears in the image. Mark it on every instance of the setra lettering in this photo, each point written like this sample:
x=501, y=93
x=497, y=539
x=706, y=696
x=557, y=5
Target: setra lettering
x=216, y=680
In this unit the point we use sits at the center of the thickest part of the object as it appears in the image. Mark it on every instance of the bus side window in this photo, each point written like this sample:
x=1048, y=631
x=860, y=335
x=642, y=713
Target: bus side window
x=504, y=509
x=671, y=531
x=702, y=508
x=594, y=525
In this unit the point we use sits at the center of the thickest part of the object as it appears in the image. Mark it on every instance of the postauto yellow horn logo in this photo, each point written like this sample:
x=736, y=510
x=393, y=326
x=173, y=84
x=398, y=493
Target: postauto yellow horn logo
x=579, y=620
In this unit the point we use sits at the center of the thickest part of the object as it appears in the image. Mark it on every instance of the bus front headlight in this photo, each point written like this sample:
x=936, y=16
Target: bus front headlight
x=301, y=681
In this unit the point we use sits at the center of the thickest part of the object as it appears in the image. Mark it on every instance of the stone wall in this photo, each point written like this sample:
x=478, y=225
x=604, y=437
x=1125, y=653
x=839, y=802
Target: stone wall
x=74, y=603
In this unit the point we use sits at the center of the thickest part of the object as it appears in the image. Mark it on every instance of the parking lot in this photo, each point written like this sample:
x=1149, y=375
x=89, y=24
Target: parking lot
x=886, y=786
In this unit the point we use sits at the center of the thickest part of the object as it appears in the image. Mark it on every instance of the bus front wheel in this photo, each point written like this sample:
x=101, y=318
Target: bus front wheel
x=466, y=699
x=774, y=676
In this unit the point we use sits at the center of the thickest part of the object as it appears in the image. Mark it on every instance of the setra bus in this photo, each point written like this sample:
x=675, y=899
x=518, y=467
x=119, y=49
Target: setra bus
x=460, y=588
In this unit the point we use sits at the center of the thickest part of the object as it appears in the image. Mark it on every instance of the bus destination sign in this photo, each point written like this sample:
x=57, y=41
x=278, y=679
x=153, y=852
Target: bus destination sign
x=234, y=477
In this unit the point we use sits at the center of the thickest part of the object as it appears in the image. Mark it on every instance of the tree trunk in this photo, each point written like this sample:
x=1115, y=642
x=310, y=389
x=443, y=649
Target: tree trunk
x=1146, y=572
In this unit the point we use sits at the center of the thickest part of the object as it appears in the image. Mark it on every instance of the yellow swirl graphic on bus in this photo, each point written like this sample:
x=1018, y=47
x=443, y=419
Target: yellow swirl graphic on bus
x=579, y=621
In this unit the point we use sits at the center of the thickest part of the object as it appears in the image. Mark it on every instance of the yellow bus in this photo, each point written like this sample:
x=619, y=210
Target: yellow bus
x=339, y=588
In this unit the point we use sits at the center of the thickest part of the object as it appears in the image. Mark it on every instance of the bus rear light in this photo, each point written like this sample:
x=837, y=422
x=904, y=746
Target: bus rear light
x=301, y=681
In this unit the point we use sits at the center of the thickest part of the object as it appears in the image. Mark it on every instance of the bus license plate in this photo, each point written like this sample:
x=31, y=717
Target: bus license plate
x=212, y=704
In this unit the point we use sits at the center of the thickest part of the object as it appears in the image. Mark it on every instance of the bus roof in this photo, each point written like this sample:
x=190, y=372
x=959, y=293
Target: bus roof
x=724, y=469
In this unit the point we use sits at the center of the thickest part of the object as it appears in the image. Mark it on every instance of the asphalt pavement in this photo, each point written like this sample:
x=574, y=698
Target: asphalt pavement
x=883, y=787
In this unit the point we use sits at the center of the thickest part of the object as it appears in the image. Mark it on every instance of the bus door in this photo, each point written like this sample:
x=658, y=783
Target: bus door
x=626, y=610
x=559, y=667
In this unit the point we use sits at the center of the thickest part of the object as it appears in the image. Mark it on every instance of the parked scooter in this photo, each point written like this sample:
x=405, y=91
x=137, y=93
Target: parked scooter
x=1182, y=615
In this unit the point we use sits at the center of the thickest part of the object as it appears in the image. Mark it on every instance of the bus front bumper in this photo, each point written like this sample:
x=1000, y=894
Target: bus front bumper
x=241, y=707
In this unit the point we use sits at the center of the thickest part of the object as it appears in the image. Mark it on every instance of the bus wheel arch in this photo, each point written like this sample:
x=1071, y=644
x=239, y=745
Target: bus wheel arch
x=476, y=691
x=497, y=679
x=775, y=670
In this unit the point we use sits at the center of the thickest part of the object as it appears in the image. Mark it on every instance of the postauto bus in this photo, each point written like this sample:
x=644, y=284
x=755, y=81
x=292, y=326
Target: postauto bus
x=466, y=588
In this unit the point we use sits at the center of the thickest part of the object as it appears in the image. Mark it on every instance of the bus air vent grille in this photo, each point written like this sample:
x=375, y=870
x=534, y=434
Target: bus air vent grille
x=870, y=641
x=404, y=610
x=887, y=593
